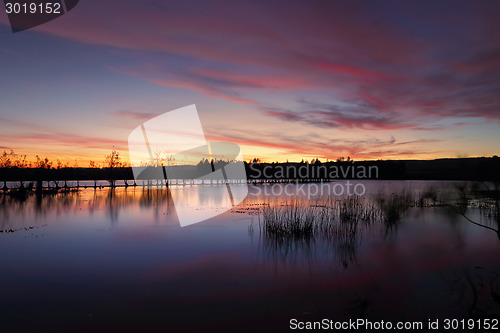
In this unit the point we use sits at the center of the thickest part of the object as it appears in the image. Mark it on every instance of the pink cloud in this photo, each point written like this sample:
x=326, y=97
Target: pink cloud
x=200, y=88
x=133, y=114
x=331, y=149
x=368, y=70
x=336, y=68
x=66, y=139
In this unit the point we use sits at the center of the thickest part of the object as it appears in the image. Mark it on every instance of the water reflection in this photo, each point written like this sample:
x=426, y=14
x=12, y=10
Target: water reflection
x=304, y=233
x=472, y=282
x=376, y=257
x=40, y=207
x=475, y=289
x=486, y=197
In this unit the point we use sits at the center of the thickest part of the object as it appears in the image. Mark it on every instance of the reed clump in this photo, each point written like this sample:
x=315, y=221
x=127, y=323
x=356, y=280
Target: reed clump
x=394, y=206
x=428, y=198
x=304, y=227
x=329, y=218
x=294, y=219
x=463, y=197
x=490, y=209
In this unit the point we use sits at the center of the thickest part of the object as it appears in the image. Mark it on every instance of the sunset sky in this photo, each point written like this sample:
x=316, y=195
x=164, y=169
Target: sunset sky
x=283, y=79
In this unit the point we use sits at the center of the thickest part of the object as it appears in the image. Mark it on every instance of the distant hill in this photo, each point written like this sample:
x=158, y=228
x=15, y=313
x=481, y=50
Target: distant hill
x=481, y=168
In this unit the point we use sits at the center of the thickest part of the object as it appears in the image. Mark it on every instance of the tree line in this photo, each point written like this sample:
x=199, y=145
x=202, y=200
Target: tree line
x=13, y=160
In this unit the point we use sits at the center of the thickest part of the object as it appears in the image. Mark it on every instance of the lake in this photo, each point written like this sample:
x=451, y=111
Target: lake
x=117, y=259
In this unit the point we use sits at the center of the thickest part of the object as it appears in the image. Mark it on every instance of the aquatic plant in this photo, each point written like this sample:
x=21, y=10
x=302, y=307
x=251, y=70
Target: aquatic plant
x=463, y=197
x=294, y=219
x=301, y=228
x=394, y=206
x=428, y=198
x=328, y=217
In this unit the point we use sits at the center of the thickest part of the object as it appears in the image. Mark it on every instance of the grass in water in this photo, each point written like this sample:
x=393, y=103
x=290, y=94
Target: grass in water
x=326, y=217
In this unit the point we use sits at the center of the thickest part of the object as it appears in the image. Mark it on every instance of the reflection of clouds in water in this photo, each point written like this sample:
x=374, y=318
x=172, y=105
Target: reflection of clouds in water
x=416, y=237
x=382, y=278
x=36, y=207
x=475, y=289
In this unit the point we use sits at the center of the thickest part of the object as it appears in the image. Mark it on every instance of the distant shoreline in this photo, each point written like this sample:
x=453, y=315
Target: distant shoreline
x=474, y=169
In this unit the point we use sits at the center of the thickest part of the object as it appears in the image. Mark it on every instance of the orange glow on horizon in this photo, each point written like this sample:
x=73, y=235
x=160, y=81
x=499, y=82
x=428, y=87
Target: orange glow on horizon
x=249, y=153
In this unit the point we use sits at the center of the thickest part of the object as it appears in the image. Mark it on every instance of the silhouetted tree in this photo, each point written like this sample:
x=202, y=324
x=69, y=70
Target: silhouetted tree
x=112, y=161
x=42, y=163
x=12, y=160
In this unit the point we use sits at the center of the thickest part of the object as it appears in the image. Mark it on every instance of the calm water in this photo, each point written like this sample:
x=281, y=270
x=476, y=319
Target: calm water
x=118, y=259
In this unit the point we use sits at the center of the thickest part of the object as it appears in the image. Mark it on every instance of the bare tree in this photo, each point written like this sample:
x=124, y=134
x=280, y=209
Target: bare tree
x=10, y=160
x=112, y=161
x=42, y=163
